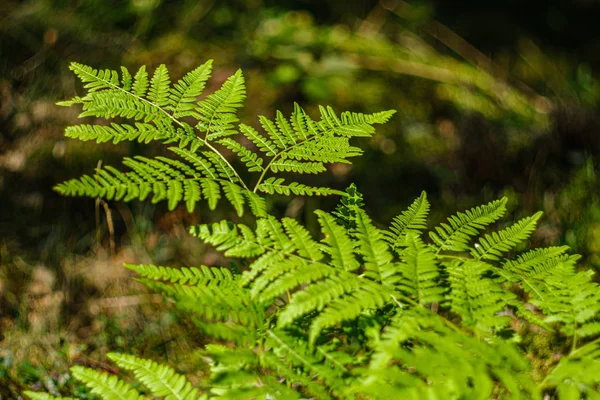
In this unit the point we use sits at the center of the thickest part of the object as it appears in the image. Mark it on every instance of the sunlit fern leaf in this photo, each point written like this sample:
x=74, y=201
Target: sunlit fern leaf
x=44, y=396
x=140, y=82
x=491, y=246
x=374, y=250
x=530, y=262
x=235, y=195
x=185, y=276
x=107, y=386
x=274, y=185
x=126, y=79
x=216, y=114
x=352, y=124
x=160, y=86
x=186, y=91
x=474, y=297
x=142, y=133
x=95, y=79
x=299, y=167
x=456, y=234
x=419, y=271
x=413, y=219
x=337, y=243
x=160, y=379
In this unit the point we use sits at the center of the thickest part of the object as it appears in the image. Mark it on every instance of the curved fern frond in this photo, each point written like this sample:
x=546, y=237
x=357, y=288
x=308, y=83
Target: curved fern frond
x=159, y=86
x=492, y=246
x=160, y=379
x=456, y=234
x=187, y=90
x=413, y=219
x=107, y=386
x=217, y=113
x=185, y=276
x=276, y=186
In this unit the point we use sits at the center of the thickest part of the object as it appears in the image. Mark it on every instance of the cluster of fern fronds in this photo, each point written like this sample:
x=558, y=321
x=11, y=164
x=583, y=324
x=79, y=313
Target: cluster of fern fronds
x=361, y=312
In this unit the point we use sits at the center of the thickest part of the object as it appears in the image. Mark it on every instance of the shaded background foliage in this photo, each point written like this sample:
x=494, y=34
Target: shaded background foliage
x=493, y=99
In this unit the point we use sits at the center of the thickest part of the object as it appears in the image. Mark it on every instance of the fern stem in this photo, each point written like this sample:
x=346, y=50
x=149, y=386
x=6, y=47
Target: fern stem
x=217, y=152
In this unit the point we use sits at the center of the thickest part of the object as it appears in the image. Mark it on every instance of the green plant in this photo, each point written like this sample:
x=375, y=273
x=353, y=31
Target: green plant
x=364, y=312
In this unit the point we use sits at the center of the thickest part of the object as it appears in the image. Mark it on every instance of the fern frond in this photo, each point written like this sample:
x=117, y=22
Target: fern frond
x=187, y=90
x=419, y=271
x=217, y=113
x=140, y=82
x=299, y=167
x=160, y=379
x=159, y=86
x=108, y=387
x=475, y=298
x=456, y=234
x=352, y=124
x=491, y=246
x=413, y=219
x=185, y=276
x=276, y=185
x=530, y=262
x=142, y=133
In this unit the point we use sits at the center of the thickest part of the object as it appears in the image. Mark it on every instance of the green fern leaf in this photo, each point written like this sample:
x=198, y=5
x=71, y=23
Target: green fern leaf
x=187, y=90
x=235, y=195
x=252, y=160
x=159, y=86
x=160, y=379
x=413, y=219
x=276, y=185
x=216, y=113
x=456, y=234
x=109, y=387
x=492, y=246
x=140, y=82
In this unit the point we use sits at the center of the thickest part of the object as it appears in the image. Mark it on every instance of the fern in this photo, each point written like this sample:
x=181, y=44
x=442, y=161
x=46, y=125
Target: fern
x=353, y=311
x=199, y=169
x=160, y=379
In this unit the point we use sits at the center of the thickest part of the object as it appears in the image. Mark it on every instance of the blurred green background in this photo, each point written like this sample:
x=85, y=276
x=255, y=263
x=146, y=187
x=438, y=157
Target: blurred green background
x=493, y=99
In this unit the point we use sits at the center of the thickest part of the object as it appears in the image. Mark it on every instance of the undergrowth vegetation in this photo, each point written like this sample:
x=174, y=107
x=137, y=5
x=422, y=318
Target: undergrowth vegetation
x=460, y=310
